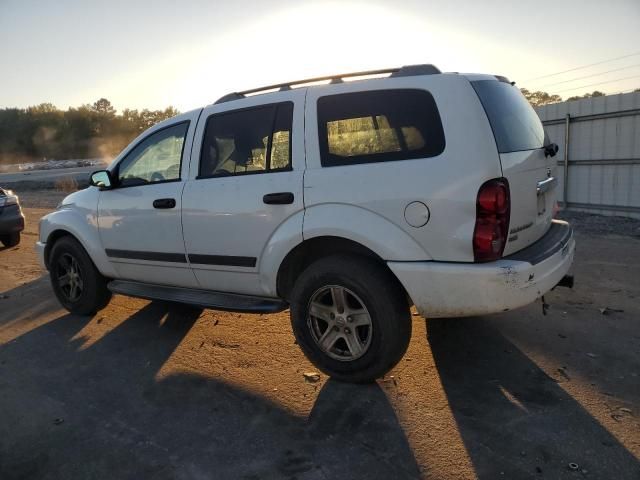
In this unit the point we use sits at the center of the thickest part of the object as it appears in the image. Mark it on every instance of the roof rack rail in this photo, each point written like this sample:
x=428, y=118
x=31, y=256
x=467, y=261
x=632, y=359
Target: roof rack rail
x=405, y=71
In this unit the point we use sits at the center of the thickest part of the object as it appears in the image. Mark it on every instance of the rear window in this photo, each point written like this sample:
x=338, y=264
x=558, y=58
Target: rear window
x=380, y=125
x=515, y=124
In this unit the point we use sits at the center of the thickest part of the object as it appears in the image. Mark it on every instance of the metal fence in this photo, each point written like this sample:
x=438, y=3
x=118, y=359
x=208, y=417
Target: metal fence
x=599, y=156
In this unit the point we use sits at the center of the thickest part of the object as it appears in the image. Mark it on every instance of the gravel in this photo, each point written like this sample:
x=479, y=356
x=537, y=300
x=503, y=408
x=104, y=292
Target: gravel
x=601, y=225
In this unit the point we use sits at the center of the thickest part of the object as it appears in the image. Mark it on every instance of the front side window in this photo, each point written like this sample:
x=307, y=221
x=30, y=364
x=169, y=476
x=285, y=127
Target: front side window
x=255, y=140
x=381, y=125
x=156, y=159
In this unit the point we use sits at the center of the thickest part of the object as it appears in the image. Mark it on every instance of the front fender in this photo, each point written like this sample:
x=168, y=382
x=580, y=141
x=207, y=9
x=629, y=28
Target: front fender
x=82, y=223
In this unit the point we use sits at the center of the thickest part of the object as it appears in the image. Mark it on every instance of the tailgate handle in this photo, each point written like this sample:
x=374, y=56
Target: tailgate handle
x=546, y=185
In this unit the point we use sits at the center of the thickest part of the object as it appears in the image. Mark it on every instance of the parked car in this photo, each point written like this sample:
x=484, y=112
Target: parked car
x=346, y=202
x=11, y=218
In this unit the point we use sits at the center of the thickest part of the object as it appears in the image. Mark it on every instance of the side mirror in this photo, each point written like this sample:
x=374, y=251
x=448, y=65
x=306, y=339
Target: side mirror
x=101, y=179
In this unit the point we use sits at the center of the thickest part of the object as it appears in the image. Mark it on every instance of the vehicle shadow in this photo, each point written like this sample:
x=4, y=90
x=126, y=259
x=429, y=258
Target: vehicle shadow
x=103, y=411
x=4, y=247
x=515, y=420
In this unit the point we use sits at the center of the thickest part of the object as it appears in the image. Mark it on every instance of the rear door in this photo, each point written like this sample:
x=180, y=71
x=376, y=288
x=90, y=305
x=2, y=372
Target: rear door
x=245, y=183
x=520, y=140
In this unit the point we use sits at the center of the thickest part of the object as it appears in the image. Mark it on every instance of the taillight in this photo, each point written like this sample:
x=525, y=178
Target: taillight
x=492, y=220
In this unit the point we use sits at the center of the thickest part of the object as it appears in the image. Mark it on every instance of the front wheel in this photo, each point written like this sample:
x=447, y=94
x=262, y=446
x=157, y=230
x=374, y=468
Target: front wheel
x=76, y=281
x=350, y=317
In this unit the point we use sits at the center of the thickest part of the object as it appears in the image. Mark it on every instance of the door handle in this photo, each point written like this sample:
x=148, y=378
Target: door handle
x=280, y=198
x=164, y=203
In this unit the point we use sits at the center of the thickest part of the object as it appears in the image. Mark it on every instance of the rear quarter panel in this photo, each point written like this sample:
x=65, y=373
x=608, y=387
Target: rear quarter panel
x=447, y=183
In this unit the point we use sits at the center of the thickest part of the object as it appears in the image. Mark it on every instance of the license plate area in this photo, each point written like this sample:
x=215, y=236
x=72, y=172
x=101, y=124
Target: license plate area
x=542, y=204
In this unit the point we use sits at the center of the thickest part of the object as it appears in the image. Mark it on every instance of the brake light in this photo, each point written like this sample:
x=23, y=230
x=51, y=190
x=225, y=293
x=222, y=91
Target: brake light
x=492, y=220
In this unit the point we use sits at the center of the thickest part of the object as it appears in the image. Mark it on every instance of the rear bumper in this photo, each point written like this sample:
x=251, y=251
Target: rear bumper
x=11, y=219
x=440, y=289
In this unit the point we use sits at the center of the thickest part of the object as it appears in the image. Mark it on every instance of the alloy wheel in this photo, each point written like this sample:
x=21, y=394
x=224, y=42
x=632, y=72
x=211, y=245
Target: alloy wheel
x=69, y=277
x=340, y=323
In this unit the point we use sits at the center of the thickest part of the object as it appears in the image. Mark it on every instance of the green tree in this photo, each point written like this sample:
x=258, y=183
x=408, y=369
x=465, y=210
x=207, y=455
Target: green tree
x=595, y=93
x=103, y=107
x=91, y=130
x=539, y=98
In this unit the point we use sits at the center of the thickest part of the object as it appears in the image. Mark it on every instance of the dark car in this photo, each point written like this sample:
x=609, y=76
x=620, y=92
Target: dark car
x=11, y=218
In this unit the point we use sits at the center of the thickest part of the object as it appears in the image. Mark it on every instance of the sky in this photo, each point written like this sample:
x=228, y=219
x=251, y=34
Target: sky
x=151, y=54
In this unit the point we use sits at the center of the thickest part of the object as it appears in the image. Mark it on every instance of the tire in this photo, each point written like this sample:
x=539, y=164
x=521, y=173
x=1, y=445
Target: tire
x=359, y=349
x=90, y=293
x=10, y=239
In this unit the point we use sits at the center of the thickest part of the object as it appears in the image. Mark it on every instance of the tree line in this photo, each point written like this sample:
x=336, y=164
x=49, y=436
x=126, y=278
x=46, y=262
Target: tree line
x=539, y=98
x=97, y=131
x=90, y=131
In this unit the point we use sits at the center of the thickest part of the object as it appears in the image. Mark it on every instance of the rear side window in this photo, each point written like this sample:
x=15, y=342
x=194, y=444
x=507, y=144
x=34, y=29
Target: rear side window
x=253, y=140
x=378, y=126
x=514, y=122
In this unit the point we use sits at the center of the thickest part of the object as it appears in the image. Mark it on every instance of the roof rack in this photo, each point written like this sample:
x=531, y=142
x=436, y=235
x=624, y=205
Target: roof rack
x=405, y=71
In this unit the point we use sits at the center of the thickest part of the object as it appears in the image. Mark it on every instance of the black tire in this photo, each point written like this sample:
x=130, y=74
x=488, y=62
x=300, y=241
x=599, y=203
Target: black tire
x=93, y=294
x=365, y=282
x=10, y=239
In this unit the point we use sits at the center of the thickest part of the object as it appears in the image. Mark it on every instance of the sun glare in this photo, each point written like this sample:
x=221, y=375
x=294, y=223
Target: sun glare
x=297, y=43
x=309, y=41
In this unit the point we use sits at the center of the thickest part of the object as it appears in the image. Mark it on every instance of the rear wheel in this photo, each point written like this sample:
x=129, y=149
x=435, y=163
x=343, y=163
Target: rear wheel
x=10, y=239
x=76, y=281
x=350, y=317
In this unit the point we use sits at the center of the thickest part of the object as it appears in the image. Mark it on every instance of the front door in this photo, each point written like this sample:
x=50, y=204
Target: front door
x=139, y=219
x=247, y=186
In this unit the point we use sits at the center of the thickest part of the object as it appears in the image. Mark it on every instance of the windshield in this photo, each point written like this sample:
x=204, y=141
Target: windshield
x=515, y=124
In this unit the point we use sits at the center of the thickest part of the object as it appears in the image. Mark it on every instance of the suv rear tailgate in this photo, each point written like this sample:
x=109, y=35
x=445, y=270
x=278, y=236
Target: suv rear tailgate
x=520, y=140
x=531, y=206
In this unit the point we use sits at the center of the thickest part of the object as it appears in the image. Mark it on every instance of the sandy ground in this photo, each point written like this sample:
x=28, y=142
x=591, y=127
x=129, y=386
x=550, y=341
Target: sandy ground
x=146, y=390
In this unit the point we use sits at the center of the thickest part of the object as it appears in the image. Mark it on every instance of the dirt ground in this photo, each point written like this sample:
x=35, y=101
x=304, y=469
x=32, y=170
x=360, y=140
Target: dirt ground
x=144, y=390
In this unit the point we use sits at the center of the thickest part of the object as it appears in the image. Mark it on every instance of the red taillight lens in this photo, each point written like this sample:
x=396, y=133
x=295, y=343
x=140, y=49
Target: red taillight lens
x=492, y=220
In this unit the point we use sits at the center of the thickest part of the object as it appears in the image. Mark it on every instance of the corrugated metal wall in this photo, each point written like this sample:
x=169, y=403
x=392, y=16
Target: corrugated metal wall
x=603, y=153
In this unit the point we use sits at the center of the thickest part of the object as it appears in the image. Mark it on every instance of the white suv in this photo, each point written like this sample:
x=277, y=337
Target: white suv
x=346, y=202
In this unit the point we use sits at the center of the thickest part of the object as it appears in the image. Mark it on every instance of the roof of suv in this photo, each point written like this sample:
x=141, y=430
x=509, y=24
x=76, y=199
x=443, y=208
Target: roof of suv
x=405, y=71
